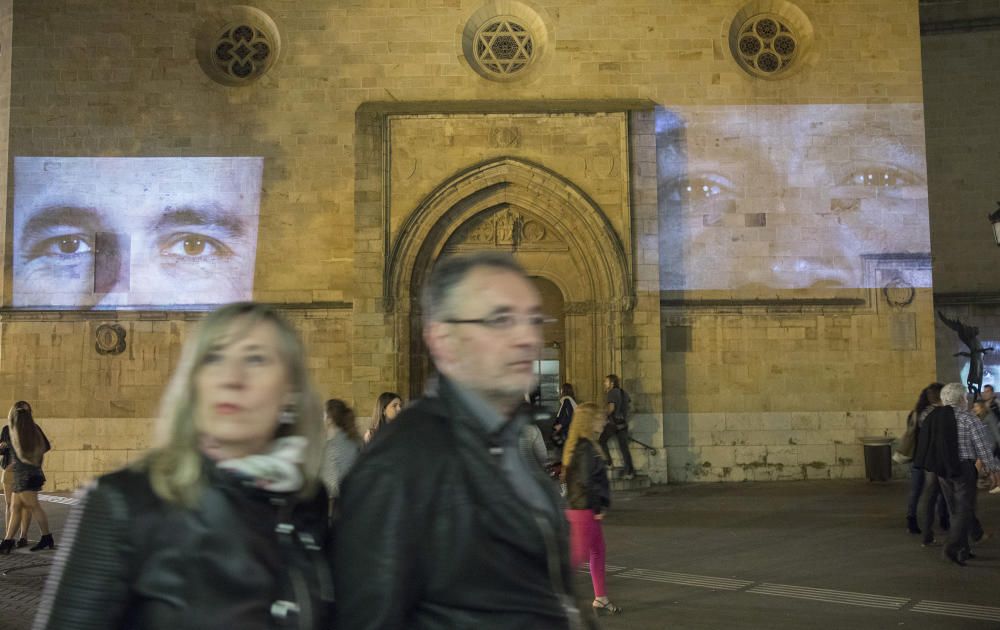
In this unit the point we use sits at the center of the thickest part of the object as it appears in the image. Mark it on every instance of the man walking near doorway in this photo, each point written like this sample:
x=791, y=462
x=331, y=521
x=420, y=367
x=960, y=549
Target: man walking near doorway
x=617, y=400
x=443, y=522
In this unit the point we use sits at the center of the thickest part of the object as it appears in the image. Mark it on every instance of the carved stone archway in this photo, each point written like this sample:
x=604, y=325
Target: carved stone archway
x=553, y=229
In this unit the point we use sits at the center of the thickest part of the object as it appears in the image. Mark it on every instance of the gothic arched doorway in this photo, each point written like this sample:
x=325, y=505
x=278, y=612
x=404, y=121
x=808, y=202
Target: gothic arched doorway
x=558, y=234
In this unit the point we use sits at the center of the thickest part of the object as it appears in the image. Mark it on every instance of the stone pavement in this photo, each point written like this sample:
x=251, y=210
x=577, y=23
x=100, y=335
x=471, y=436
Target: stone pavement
x=779, y=555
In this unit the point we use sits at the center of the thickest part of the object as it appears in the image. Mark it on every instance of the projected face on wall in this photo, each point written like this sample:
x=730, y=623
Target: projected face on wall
x=756, y=200
x=134, y=232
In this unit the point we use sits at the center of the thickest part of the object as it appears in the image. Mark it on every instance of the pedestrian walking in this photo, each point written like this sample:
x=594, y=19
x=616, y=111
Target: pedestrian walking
x=953, y=439
x=223, y=523
x=616, y=426
x=7, y=477
x=28, y=446
x=343, y=442
x=443, y=523
x=387, y=407
x=929, y=399
x=564, y=416
x=588, y=495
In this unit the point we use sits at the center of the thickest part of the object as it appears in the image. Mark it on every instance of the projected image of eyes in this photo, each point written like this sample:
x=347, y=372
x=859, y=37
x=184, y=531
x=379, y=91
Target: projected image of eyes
x=134, y=232
x=770, y=198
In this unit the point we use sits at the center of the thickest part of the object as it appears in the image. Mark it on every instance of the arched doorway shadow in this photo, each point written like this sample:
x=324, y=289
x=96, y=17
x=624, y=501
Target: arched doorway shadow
x=551, y=227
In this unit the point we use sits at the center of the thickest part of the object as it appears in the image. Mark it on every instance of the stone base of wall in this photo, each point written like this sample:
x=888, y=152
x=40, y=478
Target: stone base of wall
x=85, y=448
x=775, y=446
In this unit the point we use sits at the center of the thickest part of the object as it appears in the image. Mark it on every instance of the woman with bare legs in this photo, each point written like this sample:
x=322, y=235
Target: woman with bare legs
x=7, y=479
x=28, y=450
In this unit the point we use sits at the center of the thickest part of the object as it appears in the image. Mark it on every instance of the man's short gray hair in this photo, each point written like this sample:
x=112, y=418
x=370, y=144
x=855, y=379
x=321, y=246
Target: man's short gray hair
x=449, y=272
x=954, y=395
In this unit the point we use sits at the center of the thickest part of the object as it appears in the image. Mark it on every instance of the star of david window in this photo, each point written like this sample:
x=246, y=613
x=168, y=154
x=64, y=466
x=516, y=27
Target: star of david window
x=503, y=47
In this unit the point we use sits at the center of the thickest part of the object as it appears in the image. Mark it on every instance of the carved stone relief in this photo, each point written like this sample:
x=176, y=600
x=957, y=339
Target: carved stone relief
x=505, y=227
x=600, y=165
x=504, y=137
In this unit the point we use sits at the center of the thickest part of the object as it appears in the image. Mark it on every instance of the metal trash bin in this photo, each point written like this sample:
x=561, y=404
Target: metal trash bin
x=878, y=457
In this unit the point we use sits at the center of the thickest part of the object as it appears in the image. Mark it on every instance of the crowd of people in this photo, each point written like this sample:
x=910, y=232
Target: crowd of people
x=951, y=450
x=259, y=507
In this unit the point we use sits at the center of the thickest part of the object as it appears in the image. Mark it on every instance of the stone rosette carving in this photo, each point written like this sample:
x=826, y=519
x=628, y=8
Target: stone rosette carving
x=899, y=293
x=238, y=45
x=109, y=339
x=769, y=39
x=533, y=231
x=505, y=137
x=600, y=165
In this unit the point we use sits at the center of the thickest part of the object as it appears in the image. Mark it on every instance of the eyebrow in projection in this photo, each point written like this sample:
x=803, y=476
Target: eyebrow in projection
x=206, y=215
x=88, y=220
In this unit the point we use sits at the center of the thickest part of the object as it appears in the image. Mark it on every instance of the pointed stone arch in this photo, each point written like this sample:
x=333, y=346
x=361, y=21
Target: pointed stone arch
x=553, y=199
x=588, y=262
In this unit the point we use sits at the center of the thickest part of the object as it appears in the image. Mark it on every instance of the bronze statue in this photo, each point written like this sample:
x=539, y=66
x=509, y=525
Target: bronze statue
x=970, y=337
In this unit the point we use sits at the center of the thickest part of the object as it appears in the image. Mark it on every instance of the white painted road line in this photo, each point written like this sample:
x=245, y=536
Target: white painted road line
x=967, y=611
x=608, y=568
x=54, y=499
x=988, y=613
x=832, y=596
x=686, y=579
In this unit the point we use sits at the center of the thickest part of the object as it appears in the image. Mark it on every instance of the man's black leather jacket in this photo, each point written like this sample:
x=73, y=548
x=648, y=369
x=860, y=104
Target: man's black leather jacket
x=432, y=534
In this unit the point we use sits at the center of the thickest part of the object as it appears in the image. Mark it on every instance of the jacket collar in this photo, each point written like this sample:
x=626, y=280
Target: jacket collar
x=471, y=410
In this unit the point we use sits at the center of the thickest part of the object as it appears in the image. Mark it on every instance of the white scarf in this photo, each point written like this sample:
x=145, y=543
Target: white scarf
x=278, y=470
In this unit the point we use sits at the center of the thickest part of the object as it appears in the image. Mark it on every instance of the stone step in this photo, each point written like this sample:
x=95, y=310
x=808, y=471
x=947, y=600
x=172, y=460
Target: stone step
x=617, y=473
x=637, y=483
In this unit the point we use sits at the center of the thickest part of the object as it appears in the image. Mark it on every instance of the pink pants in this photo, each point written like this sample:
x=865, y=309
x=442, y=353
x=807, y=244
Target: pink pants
x=586, y=542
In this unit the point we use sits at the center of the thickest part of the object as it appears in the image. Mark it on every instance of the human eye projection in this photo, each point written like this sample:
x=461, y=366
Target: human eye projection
x=194, y=246
x=134, y=232
x=757, y=201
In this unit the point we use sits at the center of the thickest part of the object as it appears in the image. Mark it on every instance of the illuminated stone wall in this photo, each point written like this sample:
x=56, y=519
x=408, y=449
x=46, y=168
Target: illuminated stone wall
x=734, y=384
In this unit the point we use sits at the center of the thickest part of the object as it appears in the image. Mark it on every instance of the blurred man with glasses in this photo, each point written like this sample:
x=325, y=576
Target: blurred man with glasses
x=444, y=523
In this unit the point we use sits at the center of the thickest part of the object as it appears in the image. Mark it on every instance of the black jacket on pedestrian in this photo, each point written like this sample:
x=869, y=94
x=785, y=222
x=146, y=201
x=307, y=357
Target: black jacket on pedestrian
x=432, y=535
x=587, y=486
x=129, y=560
x=937, y=444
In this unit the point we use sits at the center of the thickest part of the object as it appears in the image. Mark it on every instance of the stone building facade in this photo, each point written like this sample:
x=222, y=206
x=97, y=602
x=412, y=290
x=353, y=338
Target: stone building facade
x=724, y=202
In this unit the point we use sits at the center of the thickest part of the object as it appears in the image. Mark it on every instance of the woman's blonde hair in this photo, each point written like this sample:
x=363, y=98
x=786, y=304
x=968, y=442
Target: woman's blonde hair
x=581, y=428
x=176, y=463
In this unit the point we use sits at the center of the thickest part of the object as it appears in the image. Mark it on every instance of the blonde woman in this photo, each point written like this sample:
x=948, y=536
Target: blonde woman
x=224, y=523
x=588, y=496
x=7, y=475
x=28, y=446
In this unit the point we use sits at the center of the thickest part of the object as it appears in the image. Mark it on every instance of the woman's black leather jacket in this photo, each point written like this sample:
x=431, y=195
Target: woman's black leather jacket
x=243, y=558
x=587, y=486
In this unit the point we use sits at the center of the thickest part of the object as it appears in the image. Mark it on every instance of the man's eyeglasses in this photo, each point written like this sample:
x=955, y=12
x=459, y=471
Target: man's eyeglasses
x=506, y=321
